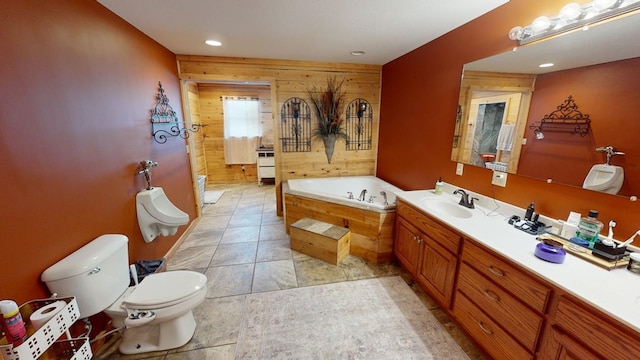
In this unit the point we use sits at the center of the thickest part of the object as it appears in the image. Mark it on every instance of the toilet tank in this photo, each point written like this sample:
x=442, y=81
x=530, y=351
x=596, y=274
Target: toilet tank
x=96, y=274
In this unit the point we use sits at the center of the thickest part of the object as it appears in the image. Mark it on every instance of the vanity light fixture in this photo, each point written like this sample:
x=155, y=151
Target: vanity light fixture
x=571, y=17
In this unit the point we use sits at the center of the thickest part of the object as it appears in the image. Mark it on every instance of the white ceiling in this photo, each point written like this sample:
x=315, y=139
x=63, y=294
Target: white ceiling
x=310, y=30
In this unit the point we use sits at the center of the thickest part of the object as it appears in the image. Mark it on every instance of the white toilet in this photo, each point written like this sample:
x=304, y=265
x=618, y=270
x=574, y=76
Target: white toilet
x=157, y=215
x=604, y=178
x=157, y=312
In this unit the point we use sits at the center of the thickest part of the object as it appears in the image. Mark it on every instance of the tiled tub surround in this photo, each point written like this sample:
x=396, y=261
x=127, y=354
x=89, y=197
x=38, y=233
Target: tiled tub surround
x=615, y=293
x=326, y=200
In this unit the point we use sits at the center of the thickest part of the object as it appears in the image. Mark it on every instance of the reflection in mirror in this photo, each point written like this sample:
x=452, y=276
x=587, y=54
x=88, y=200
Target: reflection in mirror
x=493, y=109
x=598, y=68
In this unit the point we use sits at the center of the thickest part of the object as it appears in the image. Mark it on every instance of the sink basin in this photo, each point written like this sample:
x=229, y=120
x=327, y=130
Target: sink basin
x=448, y=208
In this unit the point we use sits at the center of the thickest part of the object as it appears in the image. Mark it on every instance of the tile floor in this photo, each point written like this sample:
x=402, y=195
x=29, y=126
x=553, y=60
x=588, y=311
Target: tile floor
x=242, y=247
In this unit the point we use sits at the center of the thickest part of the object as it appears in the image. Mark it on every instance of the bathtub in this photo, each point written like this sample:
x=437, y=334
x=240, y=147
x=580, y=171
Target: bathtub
x=338, y=189
x=327, y=199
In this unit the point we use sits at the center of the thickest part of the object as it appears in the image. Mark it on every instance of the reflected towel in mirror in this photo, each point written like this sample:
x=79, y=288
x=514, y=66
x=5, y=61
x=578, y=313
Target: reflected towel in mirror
x=505, y=137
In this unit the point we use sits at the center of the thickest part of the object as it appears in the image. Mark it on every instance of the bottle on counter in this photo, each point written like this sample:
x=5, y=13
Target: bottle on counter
x=589, y=228
x=15, y=328
x=529, y=213
x=439, y=186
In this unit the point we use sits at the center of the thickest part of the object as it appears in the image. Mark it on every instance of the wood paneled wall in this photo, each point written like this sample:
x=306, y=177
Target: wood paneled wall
x=192, y=107
x=292, y=79
x=213, y=118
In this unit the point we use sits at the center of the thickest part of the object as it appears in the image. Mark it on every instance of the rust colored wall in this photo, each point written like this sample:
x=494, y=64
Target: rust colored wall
x=418, y=110
x=606, y=93
x=77, y=86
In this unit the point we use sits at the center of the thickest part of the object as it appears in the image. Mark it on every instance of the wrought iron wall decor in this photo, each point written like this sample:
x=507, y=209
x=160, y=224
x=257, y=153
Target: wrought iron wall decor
x=566, y=118
x=164, y=121
x=295, y=126
x=359, y=125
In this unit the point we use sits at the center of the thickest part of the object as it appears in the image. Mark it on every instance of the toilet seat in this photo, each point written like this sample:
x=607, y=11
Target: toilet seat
x=165, y=289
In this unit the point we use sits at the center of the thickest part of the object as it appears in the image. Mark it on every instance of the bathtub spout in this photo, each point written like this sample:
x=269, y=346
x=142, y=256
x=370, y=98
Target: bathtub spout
x=384, y=195
x=363, y=195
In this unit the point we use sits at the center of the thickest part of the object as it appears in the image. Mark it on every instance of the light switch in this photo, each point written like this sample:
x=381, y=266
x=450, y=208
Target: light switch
x=459, y=168
x=499, y=178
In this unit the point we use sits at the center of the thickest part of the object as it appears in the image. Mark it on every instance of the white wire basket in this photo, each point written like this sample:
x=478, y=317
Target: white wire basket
x=44, y=342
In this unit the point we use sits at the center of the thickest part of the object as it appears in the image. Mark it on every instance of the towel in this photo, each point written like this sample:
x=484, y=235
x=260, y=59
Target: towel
x=505, y=137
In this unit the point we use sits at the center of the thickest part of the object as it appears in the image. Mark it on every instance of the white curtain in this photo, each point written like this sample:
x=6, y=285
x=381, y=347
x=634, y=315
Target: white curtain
x=241, y=129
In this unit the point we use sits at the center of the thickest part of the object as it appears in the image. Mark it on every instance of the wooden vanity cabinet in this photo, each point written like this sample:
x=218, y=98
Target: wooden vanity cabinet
x=579, y=331
x=428, y=251
x=507, y=310
x=501, y=306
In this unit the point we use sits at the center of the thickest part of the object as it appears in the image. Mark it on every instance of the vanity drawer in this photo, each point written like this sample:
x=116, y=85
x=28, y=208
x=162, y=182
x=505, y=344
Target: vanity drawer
x=495, y=341
x=445, y=237
x=598, y=331
x=518, y=283
x=523, y=323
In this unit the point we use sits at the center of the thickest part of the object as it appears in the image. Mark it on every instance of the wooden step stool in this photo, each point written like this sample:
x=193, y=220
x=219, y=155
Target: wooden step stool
x=323, y=241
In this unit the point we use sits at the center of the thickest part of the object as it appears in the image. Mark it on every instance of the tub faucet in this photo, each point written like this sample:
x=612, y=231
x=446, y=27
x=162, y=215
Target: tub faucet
x=350, y=196
x=384, y=195
x=363, y=195
x=371, y=199
x=146, y=170
x=464, y=199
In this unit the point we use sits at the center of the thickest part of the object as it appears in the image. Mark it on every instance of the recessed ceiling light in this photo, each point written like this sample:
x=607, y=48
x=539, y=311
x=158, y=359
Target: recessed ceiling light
x=213, y=43
x=545, y=65
x=358, y=53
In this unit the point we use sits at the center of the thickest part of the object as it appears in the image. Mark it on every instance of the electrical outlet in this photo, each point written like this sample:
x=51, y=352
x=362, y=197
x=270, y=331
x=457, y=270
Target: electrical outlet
x=499, y=178
x=243, y=169
x=459, y=168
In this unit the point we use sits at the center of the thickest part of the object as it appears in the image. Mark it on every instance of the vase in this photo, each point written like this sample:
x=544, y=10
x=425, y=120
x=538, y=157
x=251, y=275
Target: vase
x=329, y=145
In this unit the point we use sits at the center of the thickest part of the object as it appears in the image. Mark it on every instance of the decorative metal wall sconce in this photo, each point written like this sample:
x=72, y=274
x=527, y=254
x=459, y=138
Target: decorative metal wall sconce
x=163, y=117
x=567, y=118
x=359, y=125
x=295, y=126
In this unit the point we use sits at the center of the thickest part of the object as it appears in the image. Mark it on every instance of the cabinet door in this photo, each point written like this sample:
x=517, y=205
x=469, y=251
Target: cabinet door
x=562, y=347
x=436, y=271
x=406, y=245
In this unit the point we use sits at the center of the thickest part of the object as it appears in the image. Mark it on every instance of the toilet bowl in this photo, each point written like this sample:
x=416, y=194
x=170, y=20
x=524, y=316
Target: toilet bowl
x=168, y=299
x=157, y=215
x=155, y=314
x=604, y=178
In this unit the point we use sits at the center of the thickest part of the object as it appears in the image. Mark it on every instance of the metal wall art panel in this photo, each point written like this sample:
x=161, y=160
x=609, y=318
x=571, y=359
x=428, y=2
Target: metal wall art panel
x=359, y=125
x=295, y=126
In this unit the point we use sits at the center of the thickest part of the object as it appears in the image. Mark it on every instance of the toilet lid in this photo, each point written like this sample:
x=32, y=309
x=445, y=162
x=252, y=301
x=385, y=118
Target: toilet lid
x=166, y=288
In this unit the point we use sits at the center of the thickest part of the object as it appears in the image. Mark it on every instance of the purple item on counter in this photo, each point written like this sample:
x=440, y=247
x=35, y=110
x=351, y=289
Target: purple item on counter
x=550, y=253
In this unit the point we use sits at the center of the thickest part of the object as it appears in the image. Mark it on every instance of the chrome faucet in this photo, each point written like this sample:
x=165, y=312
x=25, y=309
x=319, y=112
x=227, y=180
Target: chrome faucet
x=363, y=195
x=146, y=170
x=610, y=152
x=384, y=195
x=464, y=199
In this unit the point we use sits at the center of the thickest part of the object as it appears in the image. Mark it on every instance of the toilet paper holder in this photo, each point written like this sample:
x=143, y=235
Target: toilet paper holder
x=43, y=340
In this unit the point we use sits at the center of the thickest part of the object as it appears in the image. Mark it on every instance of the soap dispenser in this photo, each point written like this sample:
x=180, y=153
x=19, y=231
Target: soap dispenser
x=439, y=186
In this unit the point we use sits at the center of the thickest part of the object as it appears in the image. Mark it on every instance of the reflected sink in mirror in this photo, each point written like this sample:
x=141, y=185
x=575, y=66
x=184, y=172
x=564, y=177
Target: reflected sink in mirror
x=447, y=208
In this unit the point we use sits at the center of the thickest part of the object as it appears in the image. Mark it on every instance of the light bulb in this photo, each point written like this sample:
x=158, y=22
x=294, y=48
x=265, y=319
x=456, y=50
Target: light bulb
x=539, y=135
x=540, y=24
x=604, y=4
x=571, y=11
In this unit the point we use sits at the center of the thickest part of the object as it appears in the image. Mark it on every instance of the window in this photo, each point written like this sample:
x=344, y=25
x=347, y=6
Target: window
x=241, y=129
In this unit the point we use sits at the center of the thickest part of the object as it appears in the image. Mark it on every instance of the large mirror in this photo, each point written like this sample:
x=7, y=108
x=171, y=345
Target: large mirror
x=506, y=98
